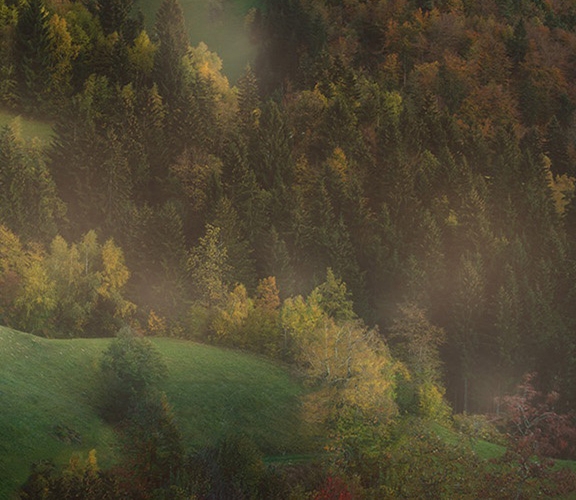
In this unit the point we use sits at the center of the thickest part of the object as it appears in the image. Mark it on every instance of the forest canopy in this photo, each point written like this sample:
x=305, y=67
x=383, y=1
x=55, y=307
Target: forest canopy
x=417, y=152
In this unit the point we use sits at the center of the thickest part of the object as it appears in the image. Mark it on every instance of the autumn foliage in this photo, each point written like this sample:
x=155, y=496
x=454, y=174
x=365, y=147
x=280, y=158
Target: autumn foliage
x=534, y=425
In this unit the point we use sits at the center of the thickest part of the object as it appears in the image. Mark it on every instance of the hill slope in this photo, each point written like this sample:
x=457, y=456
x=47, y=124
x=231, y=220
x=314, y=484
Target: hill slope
x=46, y=388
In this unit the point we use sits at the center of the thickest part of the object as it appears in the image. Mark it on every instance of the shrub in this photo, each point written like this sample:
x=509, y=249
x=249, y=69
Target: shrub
x=79, y=479
x=131, y=367
x=152, y=442
x=420, y=464
x=478, y=427
x=232, y=469
x=533, y=425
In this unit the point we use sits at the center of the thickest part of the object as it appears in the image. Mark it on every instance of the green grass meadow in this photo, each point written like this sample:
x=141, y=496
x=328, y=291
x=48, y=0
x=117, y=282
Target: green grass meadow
x=216, y=392
x=49, y=384
x=45, y=384
x=30, y=127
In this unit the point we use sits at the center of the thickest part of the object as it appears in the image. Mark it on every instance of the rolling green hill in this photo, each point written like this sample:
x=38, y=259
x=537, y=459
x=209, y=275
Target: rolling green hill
x=46, y=390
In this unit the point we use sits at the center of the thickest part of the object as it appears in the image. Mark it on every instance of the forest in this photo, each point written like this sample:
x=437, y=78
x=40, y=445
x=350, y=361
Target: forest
x=383, y=202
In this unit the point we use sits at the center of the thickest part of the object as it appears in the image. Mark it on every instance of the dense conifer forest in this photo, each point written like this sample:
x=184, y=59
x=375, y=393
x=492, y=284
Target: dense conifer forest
x=383, y=201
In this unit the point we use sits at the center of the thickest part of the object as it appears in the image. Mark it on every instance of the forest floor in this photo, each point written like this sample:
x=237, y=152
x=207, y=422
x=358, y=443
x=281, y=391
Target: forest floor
x=48, y=390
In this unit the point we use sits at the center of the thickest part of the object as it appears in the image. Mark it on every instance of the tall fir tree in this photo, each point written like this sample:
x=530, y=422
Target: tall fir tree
x=171, y=36
x=29, y=204
x=32, y=53
x=114, y=15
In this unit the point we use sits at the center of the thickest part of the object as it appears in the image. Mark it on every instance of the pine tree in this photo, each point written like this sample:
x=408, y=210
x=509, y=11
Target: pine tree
x=557, y=148
x=239, y=251
x=468, y=313
x=518, y=45
x=159, y=155
x=130, y=130
x=141, y=59
x=170, y=33
x=209, y=267
x=32, y=53
x=90, y=157
x=114, y=15
x=63, y=51
x=276, y=261
x=248, y=100
x=508, y=321
x=116, y=185
x=272, y=161
x=29, y=204
x=253, y=204
x=8, y=82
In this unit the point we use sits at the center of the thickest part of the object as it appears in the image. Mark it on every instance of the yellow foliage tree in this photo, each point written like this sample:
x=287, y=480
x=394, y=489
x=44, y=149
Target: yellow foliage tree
x=348, y=363
x=156, y=324
x=61, y=291
x=62, y=52
x=141, y=55
x=415, y=342
x=231, y=315
x=37, y=298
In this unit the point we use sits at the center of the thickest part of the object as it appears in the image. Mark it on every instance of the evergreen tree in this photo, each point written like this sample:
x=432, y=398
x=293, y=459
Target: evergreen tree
x=468, y=313
x=248, y=100
x=63, y=52
x=153, y=442
x=253, y=204
x=170, y=33
x=238, y=249
x=32, y=53
x=557, y=148
x=517, y=46
x=114, y=15
x=156, y=145
x=29, y=204
x=8, y=81
x=131, y=368
x=508, y=322
x=209, y=267
x=277, y=262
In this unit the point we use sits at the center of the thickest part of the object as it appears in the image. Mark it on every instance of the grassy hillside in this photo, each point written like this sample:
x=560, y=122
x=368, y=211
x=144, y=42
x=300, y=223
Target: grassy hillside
x=46, y=389
x=219, y=24
x=30, y=127
x=217, y=391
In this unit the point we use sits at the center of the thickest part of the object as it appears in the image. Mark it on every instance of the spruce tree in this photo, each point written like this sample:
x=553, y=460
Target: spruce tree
x=248, y=100
x=242, y=268
x=29, y=204
x=171, y=36
x=32, y=52
x=114, y=15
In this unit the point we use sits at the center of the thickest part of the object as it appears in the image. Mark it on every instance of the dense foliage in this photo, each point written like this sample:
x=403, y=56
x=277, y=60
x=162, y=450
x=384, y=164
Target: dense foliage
x=385, y=171
x=423, y=152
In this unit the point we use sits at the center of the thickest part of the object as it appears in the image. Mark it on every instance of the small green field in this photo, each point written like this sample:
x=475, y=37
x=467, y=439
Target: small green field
x=217, y=23
x=31, y=127
x=47, y=386
x=483, y=449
